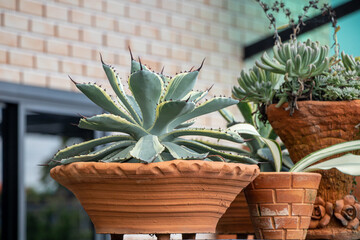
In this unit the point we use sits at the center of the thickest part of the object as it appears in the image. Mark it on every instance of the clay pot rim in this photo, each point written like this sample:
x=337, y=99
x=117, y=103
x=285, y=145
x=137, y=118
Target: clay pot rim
x=150, y=165
x=289, y=173
x=317, y=102
x=161, y=169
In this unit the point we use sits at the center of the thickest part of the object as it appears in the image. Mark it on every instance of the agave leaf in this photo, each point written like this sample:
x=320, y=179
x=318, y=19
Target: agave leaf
x=102, y=99
x=225, y=148
x=324, y=153
x=348, y=164
x=244, y=128
x=112, y=123
x=146, y=87
x=212, y=105
x=166, y=112
x=265, y=130
x=180, y=152
x=272, y=135
x=185, y=125
x=252, y=142
x=266, y=167
x=107, y=157
x=180, y=85
x=275, y=151
x=165, y=79
x=120, y=156
x=286, y=159
x=118, y=89
x=158, y=159
x=248, y=131
x=135, y=66
x=134, y=105
x=99, y=154
x=88, y=146
x=214, y=158
x=200, y=147
x=228, y=116
x=218, y=134
x=194, y=96
x=246, y=111
x=166, y=156
x=265, y=154
x=147, y=148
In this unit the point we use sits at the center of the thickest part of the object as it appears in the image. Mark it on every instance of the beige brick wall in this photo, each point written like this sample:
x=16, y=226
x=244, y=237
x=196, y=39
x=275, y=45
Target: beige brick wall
x=42, y=41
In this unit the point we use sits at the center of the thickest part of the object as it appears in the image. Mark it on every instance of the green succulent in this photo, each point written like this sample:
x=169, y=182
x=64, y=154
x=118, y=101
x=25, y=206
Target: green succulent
x=152, y=121
x=350, y=63
x=341, y=82
x=257, y=86
x=297, y=59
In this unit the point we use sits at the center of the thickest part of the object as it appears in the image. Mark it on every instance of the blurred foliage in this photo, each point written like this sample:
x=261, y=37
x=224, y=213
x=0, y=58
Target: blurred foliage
x=54, y=213
x=56, y=216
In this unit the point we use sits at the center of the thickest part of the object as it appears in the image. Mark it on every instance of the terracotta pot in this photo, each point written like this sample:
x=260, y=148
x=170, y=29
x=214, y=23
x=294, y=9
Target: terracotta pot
x=316, y=125
x=236, y=219
x=167, y=197
x=281, y=204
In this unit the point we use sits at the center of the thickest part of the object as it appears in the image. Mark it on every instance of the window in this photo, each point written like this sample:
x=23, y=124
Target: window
x=52, y=211
x=36, y=122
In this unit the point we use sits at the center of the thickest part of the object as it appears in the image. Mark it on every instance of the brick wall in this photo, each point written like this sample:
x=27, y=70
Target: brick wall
x=42, y=41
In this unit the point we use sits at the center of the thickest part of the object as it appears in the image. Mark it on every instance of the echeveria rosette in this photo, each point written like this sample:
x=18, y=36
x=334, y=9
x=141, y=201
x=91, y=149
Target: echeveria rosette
x=297, y=59
x=321, y=214
x=347, y=211
x=152, y=120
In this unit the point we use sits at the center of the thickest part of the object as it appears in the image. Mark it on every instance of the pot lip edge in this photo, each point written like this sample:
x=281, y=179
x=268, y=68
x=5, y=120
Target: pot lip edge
x=101, y=166
x=290, y=173
x=319, y=102
x=176, y=161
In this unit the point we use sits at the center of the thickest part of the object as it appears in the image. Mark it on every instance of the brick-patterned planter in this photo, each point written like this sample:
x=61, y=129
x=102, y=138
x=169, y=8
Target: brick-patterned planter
x=316, y=125
x=281, y=204
x=165, y=197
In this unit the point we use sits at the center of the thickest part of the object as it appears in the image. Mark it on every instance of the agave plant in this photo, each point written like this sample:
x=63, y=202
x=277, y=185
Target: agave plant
x=297, y=59
x=152, y=121
x=261, y=144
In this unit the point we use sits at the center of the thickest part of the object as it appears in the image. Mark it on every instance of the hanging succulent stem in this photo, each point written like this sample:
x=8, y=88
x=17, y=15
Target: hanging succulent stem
x=328, y=10
x=276, y=7
x=271, y=18
x=296, y=29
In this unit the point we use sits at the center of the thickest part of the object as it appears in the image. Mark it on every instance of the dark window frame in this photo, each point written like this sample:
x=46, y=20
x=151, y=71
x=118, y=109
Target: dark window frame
x=16, y=101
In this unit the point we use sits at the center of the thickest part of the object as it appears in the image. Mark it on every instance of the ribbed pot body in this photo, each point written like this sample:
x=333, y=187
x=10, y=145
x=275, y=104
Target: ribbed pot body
x=167, y=197
x=236, y=219
x=281, y=204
